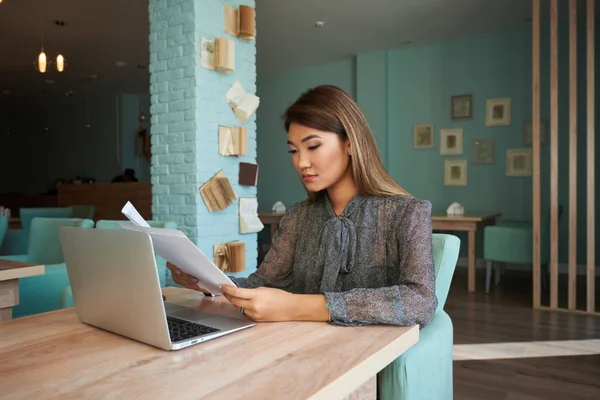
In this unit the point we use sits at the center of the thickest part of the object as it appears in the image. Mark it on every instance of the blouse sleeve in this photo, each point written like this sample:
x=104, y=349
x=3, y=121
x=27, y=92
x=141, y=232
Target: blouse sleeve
x=412, y=299
x=276, y=269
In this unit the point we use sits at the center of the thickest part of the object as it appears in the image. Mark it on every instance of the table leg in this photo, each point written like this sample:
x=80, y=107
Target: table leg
x=471, y=266
x=9, y=297
x=5, y=314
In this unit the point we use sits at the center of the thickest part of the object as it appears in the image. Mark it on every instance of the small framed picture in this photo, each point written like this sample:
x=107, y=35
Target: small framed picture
x=423, y=136
x=497, y=112
x=462, y=106
x=518, y=162
x=451, y=141
x=455, y=172
x=483, y=151
x=528, y=132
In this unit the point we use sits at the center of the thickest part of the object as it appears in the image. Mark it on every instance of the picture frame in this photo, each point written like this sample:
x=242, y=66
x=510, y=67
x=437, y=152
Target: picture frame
x=518, y=162
x=528, y=132
x=451, y=141
x=461, y=106
x=423, y=136
x=498, y=112
x=483, y=151
x=455, y=172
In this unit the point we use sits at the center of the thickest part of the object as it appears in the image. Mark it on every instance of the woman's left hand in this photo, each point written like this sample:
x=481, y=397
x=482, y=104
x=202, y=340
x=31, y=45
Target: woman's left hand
x=262, y=304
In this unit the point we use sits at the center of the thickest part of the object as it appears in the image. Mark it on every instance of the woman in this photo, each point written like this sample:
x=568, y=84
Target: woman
x=358, y=251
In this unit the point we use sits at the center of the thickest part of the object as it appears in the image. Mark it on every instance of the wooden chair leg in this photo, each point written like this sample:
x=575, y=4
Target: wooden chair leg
x=488, y=275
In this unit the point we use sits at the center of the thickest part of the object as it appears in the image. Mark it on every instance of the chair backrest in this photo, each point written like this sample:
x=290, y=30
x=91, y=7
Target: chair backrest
x=445, y=255
x=115, y=224
x=44, y=243
x=28, y=214
x=3, y=228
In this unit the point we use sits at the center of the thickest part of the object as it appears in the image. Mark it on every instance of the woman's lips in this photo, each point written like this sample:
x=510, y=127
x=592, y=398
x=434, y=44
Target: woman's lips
x=309, y=178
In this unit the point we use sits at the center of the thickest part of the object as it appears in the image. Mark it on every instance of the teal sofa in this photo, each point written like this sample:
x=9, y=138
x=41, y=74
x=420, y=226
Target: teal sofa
x=424, y=372
x=3, y=228
x=41, y=293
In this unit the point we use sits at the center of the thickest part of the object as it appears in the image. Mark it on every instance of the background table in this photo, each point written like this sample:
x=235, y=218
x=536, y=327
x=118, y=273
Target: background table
x=10, y=273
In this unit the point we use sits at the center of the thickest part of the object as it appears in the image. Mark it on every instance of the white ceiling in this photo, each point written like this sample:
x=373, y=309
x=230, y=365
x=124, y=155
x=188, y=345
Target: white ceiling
x=99, y=32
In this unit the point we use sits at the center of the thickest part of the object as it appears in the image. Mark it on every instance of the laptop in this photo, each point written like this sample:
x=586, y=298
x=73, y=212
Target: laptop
x=116, y=288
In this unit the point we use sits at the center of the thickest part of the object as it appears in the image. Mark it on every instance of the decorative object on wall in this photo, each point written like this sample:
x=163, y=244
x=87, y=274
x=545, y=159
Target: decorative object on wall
x=462, y=106
x=240, y=22
x=528, y=132
x=242, y=103
x=230, y=256
x=423, y=136
x=233, y=141
x=451, y=141
x=483, y=151
x=455, y=209
x=217, y=192
x=455, y=172
x=143, y=143
x=278, y=207
x=224, y=55
x=207, y=53
x=248, y=211
x=248, y=174
x=518, y=162
x=497, y=111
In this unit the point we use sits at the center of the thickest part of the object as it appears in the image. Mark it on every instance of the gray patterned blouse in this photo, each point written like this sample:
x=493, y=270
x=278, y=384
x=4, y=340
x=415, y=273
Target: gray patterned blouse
x=373, y=263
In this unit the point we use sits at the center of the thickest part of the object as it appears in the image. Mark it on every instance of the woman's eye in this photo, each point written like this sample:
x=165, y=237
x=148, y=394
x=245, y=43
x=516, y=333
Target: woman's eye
x=291, y=151
x=314, y=147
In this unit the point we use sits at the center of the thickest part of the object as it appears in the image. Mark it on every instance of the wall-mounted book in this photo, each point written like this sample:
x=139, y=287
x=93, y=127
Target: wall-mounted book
x=217, y=192
x=242, y=103
x=224, y=57
x=230, y=256
x=233, y=141
x=248, y=174
x=240, y=22
x=249, y=220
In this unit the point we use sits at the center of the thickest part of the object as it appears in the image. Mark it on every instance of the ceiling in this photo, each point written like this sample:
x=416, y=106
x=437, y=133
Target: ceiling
x=99, y=32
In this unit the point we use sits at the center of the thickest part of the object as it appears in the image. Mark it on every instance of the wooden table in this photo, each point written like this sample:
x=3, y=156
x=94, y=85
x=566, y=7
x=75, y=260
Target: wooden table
x=271, y=219
x=470, y=223
x=54, y=355
x=10, y=272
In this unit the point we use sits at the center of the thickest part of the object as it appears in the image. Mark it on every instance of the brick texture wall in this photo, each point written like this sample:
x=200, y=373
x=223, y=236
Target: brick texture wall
x=187, y=106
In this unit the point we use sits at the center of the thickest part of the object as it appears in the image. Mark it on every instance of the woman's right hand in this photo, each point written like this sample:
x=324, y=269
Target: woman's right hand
x=183, y=279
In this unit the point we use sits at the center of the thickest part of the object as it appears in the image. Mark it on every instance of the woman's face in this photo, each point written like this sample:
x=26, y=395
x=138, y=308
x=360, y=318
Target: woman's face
x=320, y=157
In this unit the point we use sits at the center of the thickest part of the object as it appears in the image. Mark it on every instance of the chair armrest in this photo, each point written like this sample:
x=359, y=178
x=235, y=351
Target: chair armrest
x=415, y=375
x=41, y=293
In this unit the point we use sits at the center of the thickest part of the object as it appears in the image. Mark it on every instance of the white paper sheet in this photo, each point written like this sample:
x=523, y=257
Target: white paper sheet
x=133, y=215
x=249, y=221
x=175, y=247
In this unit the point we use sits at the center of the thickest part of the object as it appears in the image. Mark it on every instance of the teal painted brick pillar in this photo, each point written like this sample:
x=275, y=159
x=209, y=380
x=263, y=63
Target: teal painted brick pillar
x=187, y=106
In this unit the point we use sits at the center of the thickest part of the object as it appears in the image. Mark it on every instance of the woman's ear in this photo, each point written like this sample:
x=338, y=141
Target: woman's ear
x=348, y=148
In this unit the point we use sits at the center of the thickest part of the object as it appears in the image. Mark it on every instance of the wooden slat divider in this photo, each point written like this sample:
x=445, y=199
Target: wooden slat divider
x=572, y=155
x=536, y=149
x=553, y=154
x=591, y=220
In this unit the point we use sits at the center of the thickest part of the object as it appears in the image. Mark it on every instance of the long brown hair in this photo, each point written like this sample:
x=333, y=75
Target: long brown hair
x=329, y=108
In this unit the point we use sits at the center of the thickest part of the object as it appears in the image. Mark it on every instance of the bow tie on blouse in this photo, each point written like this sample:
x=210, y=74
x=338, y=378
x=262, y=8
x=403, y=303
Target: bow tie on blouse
x=337, y=247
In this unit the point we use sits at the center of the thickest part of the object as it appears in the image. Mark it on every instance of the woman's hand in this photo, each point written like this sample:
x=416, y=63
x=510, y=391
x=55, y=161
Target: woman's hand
x=263, y=304
x=185, y=280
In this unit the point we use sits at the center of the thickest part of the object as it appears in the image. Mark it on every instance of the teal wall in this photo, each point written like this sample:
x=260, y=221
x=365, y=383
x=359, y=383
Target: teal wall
x=399, y=88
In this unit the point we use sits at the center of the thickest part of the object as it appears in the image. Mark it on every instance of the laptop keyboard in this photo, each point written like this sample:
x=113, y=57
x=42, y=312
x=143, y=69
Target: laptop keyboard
x=182, y=330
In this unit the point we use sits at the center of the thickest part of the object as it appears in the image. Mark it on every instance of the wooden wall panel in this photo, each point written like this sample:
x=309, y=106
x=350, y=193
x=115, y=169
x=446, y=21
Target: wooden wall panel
x=536, y=149
x=591, y=220
x=572, y=154
x=554, y=153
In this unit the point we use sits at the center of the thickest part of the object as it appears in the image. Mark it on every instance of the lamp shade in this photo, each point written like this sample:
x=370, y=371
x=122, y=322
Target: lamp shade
x=60, y=63
x=42, y=62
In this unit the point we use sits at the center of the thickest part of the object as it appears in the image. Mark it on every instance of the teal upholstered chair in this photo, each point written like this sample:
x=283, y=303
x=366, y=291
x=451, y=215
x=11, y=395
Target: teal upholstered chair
x=41, y=293
x=424, y=372
x=512, y=242
x=161, y=264
x=3, y=228
x=16, y=240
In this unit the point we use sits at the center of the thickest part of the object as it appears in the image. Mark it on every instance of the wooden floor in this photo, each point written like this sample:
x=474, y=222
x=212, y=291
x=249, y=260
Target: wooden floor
x=505, y=315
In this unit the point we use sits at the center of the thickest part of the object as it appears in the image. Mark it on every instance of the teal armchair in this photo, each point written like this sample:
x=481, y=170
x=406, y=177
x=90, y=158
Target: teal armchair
x=3, y=228
x=41, y=293
x=512, y=242
x=17, y=240
x=424, y=372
